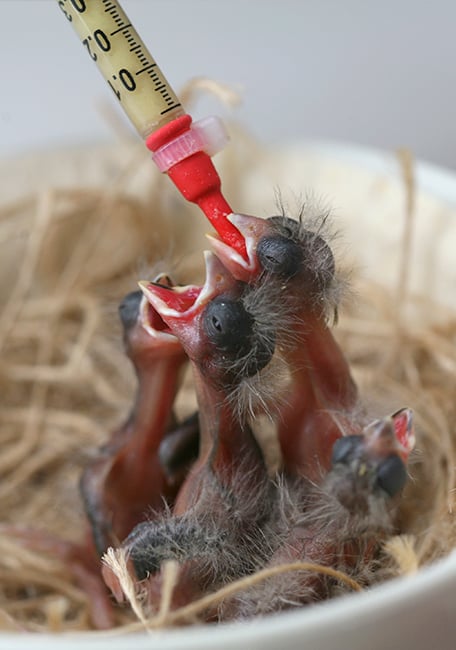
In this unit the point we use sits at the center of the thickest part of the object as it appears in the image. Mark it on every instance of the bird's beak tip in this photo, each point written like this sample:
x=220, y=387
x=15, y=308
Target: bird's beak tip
x=404, y=429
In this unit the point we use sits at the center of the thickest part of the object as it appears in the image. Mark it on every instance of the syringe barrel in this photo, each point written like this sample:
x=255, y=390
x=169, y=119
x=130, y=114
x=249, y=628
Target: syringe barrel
x=124, y=61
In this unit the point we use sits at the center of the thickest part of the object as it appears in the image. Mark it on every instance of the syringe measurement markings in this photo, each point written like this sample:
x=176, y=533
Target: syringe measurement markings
x=170, y=109
x=160, y=84
x=149, y=67
x=109, y=5
x=113, y=11
x=120, y=29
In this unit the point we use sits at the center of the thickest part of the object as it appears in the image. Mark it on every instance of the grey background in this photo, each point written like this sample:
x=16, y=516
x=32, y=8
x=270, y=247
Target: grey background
x=380, y=74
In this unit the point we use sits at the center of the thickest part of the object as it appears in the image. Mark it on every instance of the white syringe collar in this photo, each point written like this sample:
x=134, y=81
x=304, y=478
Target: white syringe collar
x=208, y=135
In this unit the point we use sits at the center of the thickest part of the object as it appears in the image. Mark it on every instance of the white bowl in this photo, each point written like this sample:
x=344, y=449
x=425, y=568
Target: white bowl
x=411, y=613
x=414, y=613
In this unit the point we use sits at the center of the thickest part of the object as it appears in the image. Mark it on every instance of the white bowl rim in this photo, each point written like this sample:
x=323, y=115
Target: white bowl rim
x=431, y=178
x=378, y=603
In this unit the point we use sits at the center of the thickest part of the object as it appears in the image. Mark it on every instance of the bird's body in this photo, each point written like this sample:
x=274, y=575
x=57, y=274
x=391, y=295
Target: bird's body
x=224, y=499
x=341, y=523
x=296, y=265
x=126, y=480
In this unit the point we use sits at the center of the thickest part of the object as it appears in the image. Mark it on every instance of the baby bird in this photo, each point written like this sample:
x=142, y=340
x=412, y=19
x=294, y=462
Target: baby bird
x=127, y=478
x=214, y=531
x=292, y=261
x=223, y=341
x=340, y=524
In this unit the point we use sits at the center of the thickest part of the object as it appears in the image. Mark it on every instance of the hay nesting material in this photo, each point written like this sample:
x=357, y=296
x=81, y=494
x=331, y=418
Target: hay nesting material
x=74, y=242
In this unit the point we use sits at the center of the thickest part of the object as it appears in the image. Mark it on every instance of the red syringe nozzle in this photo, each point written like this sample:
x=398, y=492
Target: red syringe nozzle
x=184, y=151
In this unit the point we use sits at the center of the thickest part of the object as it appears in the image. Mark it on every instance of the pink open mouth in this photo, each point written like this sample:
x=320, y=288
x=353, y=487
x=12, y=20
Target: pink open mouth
x=392, y=435
x=404, y=430
x=150, y=318
x=178, y=307
x=169, y=300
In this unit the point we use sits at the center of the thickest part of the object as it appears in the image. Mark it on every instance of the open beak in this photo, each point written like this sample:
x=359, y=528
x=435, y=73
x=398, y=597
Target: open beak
x=404, y=431
x=392, y=435
x=146, y=335
x=151, y=321
x=180, y=307
x=252, y=229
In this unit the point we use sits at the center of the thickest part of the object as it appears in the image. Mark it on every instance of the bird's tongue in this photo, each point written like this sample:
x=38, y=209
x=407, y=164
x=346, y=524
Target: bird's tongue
x=172, y=307
x=178, y=300
x=167, y=298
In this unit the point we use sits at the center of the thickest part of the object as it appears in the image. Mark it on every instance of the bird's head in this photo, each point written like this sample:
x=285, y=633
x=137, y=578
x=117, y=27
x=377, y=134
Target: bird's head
x=212, y=323
x=281, y=250
x=373, y=464
x=146, y=336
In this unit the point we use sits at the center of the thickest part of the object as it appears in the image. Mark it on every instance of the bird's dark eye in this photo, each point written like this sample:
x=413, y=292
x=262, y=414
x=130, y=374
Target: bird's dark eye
x=291, y=250
x=344, y=449
x=129, y=309
x=288, y=228
x=228, y=325
x=280, y=256
x=391, y=475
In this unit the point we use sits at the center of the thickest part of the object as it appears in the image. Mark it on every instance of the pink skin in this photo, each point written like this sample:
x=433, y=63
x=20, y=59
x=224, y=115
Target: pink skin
x=321, y=397
x=128, y=480
x=323, y=393
x=225, y=444
x=183, y=318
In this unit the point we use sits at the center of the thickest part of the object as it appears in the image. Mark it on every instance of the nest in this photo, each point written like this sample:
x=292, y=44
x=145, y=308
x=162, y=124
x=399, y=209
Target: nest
x=76, y=240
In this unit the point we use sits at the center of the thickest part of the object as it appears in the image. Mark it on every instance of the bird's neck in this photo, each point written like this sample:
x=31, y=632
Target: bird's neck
x=319, y=357
x=227, y=446
x=226, y=440
x=157, y=386
x=218, y=422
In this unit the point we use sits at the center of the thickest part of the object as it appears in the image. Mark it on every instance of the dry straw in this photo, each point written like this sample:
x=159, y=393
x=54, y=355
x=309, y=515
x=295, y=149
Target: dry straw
x=67, y=256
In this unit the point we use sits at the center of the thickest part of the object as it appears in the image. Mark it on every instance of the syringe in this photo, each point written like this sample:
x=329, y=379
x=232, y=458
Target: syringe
x=180, y=148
